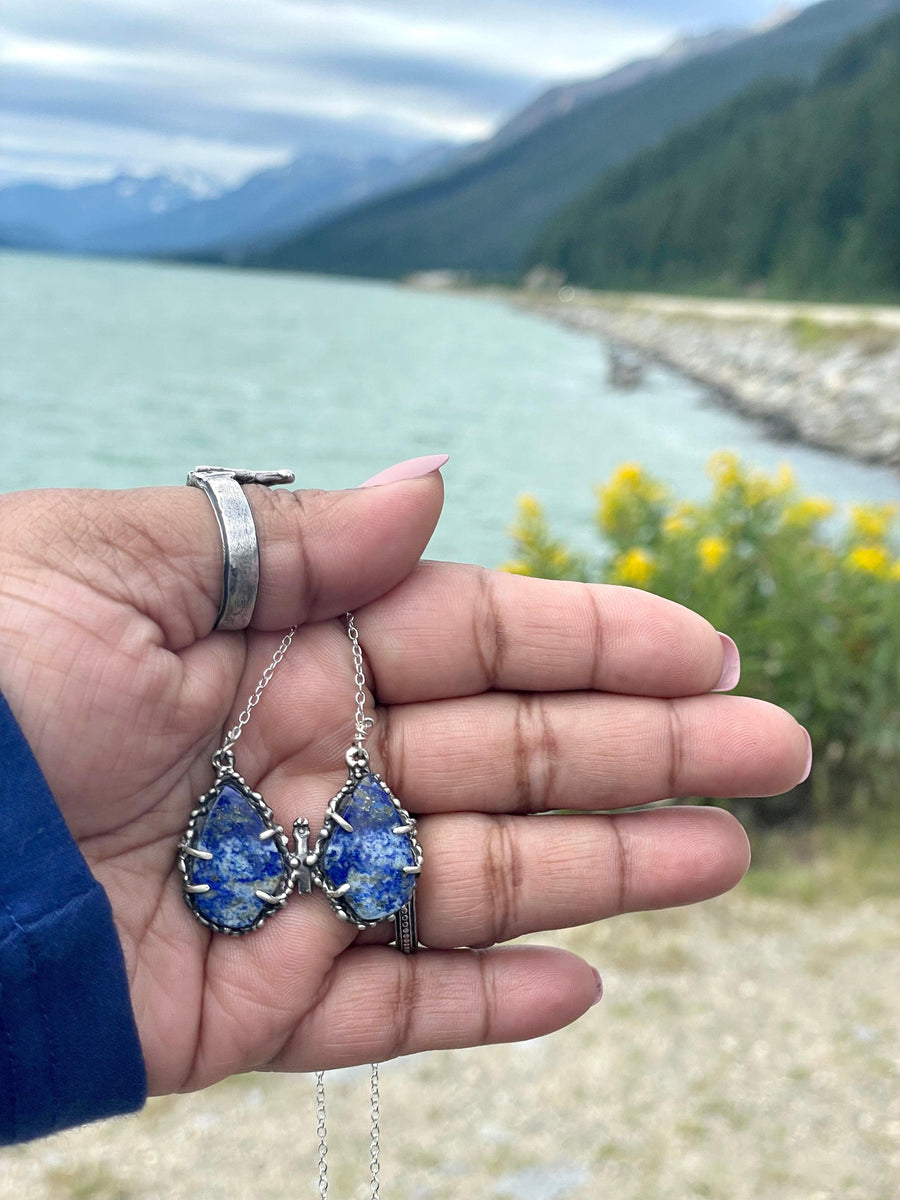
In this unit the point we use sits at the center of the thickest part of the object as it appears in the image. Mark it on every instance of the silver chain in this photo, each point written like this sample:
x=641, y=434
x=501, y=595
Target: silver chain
x=234, y=733
x=363, y=723
x=374, y=1134
x=322, y=1132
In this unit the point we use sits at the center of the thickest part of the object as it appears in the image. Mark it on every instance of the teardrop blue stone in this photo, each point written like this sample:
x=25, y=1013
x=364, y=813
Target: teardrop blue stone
x=371, y=858
x=240, y=862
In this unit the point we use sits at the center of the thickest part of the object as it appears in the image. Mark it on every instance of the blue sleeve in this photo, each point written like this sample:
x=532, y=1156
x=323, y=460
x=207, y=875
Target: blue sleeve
x=69, y=1050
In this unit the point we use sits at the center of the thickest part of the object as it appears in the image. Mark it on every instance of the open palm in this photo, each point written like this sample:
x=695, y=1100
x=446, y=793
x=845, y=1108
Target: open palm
x=497, y=698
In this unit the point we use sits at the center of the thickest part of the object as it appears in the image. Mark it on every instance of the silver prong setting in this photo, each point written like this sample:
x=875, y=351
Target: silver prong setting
x=188, y=855
x=341, y=896
x=204, y=854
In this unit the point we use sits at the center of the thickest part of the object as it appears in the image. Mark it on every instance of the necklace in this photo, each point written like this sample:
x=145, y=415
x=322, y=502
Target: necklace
x=238, y=867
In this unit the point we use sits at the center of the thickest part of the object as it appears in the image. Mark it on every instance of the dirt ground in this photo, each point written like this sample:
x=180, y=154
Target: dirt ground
x=745, y=1049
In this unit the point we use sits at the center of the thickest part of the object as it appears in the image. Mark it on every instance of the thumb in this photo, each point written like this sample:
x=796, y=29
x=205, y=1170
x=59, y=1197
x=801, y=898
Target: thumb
x=160, y=551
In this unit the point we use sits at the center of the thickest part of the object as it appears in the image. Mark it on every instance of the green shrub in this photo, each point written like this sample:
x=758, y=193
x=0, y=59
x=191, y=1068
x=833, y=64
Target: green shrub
x=816, y=615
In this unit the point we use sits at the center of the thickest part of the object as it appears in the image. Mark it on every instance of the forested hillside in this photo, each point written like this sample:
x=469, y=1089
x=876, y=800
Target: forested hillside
x=789, y=190
x=484, y=215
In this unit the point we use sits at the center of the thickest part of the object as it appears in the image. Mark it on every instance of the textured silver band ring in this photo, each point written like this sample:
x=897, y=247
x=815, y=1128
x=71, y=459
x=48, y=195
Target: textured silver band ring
x=406, y=936
x=240, y=544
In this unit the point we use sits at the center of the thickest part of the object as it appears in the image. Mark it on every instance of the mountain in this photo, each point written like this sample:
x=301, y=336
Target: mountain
x=791, y=188
x=39, y=215
x=164, y=216
x=563, y=99
x=484, y=215
x=265, y=207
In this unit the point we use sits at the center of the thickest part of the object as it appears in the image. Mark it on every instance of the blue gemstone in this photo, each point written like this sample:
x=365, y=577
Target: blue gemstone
x=240, y=862
x=371, y=858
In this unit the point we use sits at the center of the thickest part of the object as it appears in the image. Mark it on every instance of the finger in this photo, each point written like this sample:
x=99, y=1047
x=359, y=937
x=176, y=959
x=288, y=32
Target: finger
x=322, y=553
x=159, y=549
x=378, y=1004
x=451, y=630
x=534, y=753
x=489, y=879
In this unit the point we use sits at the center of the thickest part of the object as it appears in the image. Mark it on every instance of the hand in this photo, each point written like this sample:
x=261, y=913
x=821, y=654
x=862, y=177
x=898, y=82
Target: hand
x=498, y=697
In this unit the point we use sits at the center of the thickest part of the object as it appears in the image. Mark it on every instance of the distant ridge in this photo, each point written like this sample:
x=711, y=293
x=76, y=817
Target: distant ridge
x=484, y=215
x=564, y=98
x=267, y=206
x=44, y=216
x=791, y=189
x=165, y=216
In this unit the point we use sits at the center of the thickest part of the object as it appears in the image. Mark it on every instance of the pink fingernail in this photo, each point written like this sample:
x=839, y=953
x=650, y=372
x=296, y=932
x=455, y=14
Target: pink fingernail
x=731, y=665
x=809, y=757
x=599, y=993
x=412, y=468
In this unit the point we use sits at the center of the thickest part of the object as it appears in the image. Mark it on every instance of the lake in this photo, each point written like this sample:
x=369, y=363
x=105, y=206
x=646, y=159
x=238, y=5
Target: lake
x=123, y=373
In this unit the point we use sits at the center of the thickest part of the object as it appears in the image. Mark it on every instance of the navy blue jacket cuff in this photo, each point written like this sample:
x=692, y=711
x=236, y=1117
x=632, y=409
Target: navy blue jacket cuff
x=69, y=1050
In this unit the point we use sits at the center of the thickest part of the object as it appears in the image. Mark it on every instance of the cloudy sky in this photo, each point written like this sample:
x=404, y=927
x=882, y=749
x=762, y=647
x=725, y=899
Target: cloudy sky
x=225, y=87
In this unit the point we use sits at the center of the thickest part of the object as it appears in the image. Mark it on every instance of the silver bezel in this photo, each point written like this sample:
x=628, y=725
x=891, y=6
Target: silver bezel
x=343, y=910
x=228, y=776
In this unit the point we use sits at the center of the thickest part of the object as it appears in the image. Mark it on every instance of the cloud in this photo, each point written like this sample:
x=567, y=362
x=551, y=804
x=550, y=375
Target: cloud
x=273, y=78
x=63, y=151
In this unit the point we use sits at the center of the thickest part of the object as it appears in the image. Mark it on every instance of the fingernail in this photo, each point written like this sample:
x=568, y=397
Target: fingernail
x=413, y=468
x=809, y=757
x=598, y=996
x=731, y=665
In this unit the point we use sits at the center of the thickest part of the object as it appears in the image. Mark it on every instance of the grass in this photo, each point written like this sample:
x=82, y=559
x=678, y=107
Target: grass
x=810, y=334
x=827, y=864
x=86, y=1182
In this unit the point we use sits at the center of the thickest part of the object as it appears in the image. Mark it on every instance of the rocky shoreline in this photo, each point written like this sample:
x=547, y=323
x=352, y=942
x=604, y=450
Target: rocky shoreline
x=826, y=375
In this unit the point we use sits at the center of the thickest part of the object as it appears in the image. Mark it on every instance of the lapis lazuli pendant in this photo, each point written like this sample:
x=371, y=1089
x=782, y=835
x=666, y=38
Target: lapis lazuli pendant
x=235, y=861
x=367, y=859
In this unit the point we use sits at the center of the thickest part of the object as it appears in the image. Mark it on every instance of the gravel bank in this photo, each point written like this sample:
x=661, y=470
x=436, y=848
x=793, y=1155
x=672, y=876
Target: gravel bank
x=746, y=1049
x=828, y=375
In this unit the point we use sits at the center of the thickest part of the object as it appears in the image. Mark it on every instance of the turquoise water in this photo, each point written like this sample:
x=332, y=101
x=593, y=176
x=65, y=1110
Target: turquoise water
x=117, y=374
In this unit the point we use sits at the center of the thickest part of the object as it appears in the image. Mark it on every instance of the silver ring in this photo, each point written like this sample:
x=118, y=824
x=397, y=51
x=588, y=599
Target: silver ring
x=240, y=544
x=406, y=937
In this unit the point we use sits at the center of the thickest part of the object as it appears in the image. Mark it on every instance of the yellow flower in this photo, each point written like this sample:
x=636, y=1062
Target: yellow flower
x=872, y=560
x=529, y=527
x=803, y=514
x=629, y=474
x=559, y=558
x=530, y=508
x=681, y=519
x=635, y=567
x=711, y=551
x=872, y=520
x=625, y=501
x=685, y=509
x=674, y=526
x=760, y=487
x=724, y=469
x=516, y=567
x=784, y=481
x=894, y=572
